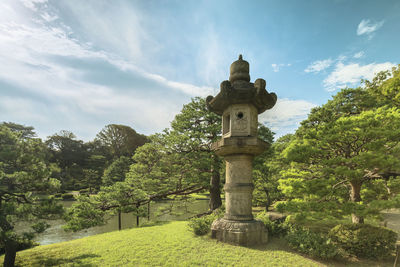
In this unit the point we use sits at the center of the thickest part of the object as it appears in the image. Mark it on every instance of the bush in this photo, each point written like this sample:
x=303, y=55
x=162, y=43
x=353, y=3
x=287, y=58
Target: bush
x=202, y=225
x=311, y=243
x=58, y=195
x=67, y=196
x=364, y=240
x=275, y=228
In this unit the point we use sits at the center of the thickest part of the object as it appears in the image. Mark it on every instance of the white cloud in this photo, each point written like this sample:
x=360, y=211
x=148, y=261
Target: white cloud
x=367, y=27
x=359, y=54
x=319, y=65
x=62, y=97
x=277, y=67
x=32, y=4
x=47, y=17
x=340, y=58
x=286, y=115
x=30, y=45
x=351, y=74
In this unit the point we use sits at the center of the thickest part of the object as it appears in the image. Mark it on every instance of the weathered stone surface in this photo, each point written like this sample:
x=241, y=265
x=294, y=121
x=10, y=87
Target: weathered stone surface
x=244, y=233
x=240, y=120
x=239, y=90
x=240, y=70
x=239, y=103
x=239, y=145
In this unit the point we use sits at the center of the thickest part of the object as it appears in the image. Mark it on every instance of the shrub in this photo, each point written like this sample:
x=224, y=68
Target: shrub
x=364, y=240
x=275, y=228
x=311, y=243
x=202, y=225
x=67, y=196
x=58, y=195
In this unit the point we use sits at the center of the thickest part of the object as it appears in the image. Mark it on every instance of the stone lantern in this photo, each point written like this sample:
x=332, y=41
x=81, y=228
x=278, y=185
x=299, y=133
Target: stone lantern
x=239, y=102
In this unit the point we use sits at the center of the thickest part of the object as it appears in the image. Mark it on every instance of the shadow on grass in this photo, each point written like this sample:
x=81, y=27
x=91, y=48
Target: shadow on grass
x=53, y=261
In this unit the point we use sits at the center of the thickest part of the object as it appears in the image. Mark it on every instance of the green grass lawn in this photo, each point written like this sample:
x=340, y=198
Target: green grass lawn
x=170, y=244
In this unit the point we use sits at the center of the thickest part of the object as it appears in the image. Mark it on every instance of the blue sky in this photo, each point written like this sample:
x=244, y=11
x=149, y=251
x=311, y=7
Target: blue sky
x=80, y=65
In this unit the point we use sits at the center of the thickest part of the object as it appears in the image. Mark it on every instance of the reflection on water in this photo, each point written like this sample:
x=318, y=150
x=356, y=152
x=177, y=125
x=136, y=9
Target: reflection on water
x=180, y=211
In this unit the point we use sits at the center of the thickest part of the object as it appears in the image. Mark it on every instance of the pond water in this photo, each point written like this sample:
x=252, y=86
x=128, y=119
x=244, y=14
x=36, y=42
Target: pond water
x=392, y=218
x=181, y=211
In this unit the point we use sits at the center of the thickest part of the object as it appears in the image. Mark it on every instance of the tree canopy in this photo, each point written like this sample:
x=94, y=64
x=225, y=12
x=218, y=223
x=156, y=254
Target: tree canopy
x=23, y=176
x=121, y=140
x=344, y=149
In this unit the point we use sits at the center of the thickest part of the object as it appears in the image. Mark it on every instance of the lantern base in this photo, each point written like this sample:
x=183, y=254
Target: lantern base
x=242, y=233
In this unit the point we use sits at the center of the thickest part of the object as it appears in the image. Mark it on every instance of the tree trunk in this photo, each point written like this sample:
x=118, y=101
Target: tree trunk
x=11, y=252
x=268, y=203
x=10, y=245
x=137, y=216
x=119, y=221
x=215, y=190
x=148, y=211
x=356, y=197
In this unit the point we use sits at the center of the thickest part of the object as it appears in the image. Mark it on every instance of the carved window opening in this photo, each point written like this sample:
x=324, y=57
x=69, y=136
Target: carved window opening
x=226, y=124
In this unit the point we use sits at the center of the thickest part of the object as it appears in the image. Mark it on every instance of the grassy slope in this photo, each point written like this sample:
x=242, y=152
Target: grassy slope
x=164, y=245
x=170, y=244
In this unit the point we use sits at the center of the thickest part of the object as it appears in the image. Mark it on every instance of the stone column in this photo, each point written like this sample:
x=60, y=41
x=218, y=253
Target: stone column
x=238, y=187
x=238, y=226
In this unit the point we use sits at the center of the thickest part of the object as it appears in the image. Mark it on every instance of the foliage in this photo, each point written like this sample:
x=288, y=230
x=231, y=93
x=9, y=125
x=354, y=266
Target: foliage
x=177, y=162
x=81, y=165
x=69, y=154
x=95, y=210
x=314, y=244
x=23, y=131
x=116, y=171
x=192, y=132
x=334, y=156
x=266, y=170
x=22, y=244
x=24, y=175
x=84, y=191
x=82, y=214
x=156, y=170
x=169, y=244
x=275, y=228
x=121, y=140
x=385, y=87
x=364, y=240
x=67, y=196
x=202, y=225
x=155, y=175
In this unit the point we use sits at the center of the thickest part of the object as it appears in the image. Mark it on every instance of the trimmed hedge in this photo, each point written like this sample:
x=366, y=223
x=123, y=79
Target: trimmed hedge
x=364, y=240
